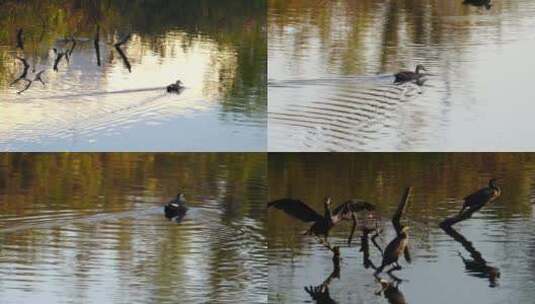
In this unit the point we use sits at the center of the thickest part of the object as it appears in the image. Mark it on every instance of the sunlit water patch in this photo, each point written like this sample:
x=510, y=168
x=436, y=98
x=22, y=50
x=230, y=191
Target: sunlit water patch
x=476, y=96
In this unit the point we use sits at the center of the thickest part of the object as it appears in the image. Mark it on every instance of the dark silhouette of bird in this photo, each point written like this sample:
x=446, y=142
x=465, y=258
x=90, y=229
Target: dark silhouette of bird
x=321, y=224
x=176, y=209
x=482, y=196
x=394, y=250
x=404, y=76
x=485, y=3
x=176, y=87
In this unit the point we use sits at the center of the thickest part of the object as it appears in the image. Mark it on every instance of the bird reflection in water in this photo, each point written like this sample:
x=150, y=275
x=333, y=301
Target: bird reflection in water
x=320, y=293
x=390, y=290
x=477, y=266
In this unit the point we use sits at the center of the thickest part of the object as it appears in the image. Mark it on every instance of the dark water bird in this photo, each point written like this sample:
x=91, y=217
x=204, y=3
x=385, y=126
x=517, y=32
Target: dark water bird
x=176, y=87
x=322, y=224
x=485, y=3
x=176, y=209
x=394, y=250
x=405, y=76
x=482, y=196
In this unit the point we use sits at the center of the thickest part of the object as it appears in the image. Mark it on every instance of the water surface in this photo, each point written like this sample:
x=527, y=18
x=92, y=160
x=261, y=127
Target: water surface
x=331, y=65
x=89, y=228
x=501, y=233
x=96, y=102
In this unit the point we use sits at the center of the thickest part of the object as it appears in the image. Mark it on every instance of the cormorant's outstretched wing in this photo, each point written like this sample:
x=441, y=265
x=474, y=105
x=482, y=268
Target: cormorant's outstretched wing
x=297, y=209
x=479, y=197
x=345, y=210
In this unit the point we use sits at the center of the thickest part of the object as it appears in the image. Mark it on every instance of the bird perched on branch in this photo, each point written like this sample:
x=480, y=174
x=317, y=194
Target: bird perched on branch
x=395, y=249
x=482, y=196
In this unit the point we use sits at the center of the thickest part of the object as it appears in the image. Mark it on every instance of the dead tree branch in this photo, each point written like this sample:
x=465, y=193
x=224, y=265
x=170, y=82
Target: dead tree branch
x=466, y=214
x=20, y=39
x=96, y=42
x=122, y=54
x=24, y=72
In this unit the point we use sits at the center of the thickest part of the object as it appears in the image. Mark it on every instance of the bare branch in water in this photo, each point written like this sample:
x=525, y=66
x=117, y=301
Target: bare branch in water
x=59, y=55
x=38, y=77
x=466, y=214
x=72, y=46
x=124, y=40
x=27, y=86
x=96, y=43
x=122, y=54
x=20, y=39
x=24, y=72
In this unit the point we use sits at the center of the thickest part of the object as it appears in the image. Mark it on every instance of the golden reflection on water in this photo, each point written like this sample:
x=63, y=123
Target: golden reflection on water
x=72, y=223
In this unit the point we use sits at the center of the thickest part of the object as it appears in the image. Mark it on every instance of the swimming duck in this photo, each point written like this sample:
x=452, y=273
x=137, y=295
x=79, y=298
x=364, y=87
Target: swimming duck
x=405, y=76
x=175, y=87
x=176, y=209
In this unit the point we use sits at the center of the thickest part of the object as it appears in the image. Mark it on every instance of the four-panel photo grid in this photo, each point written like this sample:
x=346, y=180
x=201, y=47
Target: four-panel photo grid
x=267, y=151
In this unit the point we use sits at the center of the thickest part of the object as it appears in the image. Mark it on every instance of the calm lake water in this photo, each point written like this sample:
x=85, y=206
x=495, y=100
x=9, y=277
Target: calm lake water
x=331, y=65
x=89, y=228
x=502, y=232
x=216, y=48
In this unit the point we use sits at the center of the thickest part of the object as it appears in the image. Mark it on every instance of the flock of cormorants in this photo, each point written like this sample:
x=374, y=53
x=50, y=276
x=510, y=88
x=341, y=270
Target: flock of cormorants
x=352, y=209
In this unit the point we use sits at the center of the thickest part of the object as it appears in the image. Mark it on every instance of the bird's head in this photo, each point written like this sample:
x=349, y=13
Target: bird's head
x=404, y=229
x=328, y=202
x=420, y=67
x=493, y=183
x=180, y=196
